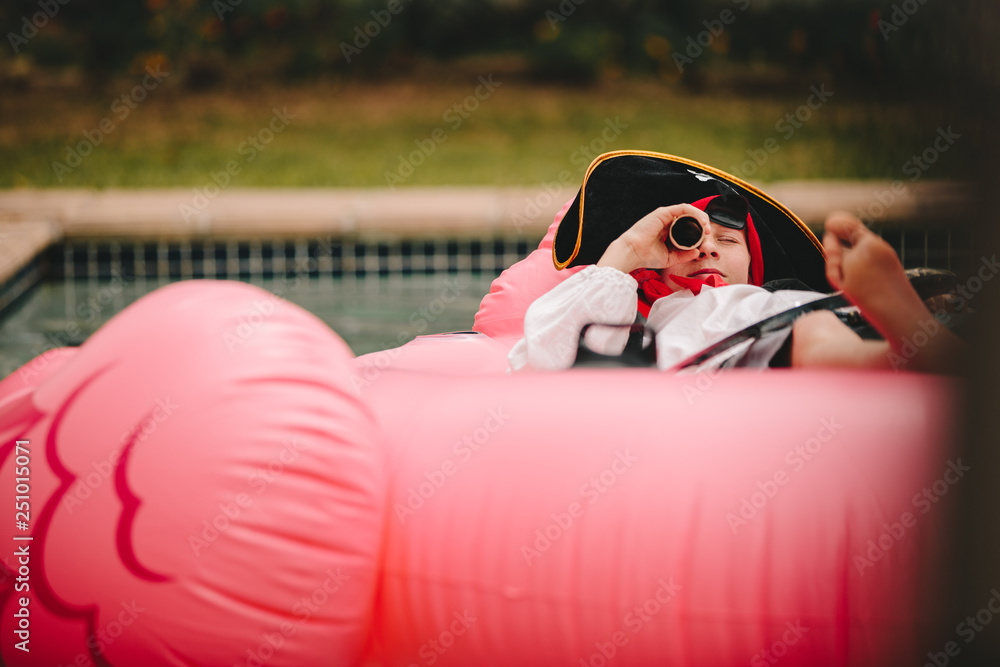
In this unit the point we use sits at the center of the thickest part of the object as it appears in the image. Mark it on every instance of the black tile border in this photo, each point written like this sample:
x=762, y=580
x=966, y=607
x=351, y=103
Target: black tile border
x=246, y=260
x=314, y=258
x=261, y=259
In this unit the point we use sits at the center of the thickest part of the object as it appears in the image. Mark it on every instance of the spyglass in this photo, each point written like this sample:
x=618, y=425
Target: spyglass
x=686, y=233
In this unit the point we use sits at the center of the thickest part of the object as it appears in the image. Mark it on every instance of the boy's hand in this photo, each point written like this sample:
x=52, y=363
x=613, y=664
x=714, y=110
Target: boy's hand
x=644, y=244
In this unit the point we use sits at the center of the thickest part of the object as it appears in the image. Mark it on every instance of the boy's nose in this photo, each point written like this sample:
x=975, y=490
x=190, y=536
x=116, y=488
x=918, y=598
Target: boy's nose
x=708, y=248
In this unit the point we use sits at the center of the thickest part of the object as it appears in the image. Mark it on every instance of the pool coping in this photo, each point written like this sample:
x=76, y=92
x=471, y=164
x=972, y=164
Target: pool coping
x=32, y=220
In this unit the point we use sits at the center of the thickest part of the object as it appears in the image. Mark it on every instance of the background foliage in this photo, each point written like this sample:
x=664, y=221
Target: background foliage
x=769, y=43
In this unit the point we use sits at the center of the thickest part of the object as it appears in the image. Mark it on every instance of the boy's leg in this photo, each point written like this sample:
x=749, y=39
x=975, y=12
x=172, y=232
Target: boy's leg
x=821, y=340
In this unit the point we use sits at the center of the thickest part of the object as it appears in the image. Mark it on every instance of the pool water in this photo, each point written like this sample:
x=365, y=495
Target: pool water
x=375, y=296
x=370, y=313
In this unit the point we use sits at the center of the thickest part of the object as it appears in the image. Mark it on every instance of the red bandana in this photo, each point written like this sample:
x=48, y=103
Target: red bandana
x=652, y=287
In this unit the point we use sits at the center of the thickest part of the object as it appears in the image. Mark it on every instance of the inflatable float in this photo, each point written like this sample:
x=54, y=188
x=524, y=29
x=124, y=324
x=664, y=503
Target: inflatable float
x=214, y=479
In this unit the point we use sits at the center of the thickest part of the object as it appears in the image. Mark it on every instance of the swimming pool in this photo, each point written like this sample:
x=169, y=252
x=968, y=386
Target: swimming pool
x=370, y=313
x=374, y=295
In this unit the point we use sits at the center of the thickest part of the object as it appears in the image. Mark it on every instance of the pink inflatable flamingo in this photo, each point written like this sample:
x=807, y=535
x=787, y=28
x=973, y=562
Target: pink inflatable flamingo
x=212, y=479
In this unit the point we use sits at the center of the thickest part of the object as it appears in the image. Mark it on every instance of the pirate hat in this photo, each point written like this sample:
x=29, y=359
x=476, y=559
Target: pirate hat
x=621, y=187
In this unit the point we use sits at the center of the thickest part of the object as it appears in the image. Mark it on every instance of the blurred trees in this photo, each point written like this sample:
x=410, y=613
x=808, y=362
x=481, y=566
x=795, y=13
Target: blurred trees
x=877, y=43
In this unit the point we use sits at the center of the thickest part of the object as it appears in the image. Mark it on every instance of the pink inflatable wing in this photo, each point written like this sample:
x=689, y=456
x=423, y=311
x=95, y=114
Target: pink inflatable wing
x=205, y=488
x=501, y=312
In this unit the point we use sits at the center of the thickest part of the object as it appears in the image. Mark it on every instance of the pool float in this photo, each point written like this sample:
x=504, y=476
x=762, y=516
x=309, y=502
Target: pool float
x=214, y=479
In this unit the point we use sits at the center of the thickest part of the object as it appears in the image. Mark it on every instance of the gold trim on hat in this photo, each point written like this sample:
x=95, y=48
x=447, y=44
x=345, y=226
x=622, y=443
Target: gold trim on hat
x=691, y=163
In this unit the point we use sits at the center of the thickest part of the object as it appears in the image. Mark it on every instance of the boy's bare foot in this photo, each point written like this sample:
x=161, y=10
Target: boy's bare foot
x=867, y=269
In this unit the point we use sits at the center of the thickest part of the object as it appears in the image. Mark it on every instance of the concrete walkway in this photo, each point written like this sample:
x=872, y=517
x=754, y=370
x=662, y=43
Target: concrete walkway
x=31, y=220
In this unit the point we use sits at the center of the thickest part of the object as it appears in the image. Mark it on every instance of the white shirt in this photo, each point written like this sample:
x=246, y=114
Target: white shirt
x=684, y=323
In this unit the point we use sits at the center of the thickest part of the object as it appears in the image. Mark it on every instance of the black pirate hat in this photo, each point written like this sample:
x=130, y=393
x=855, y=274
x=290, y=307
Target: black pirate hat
x=621, y=187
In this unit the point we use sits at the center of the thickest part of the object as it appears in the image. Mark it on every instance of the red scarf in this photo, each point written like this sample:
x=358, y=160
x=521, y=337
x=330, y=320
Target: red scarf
x=652, y=287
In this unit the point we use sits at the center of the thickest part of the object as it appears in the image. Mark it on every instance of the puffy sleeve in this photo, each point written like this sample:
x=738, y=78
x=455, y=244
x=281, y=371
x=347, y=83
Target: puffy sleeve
x=602, y=295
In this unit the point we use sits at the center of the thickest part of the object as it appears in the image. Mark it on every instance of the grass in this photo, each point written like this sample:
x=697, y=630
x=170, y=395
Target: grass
x=351, y=135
